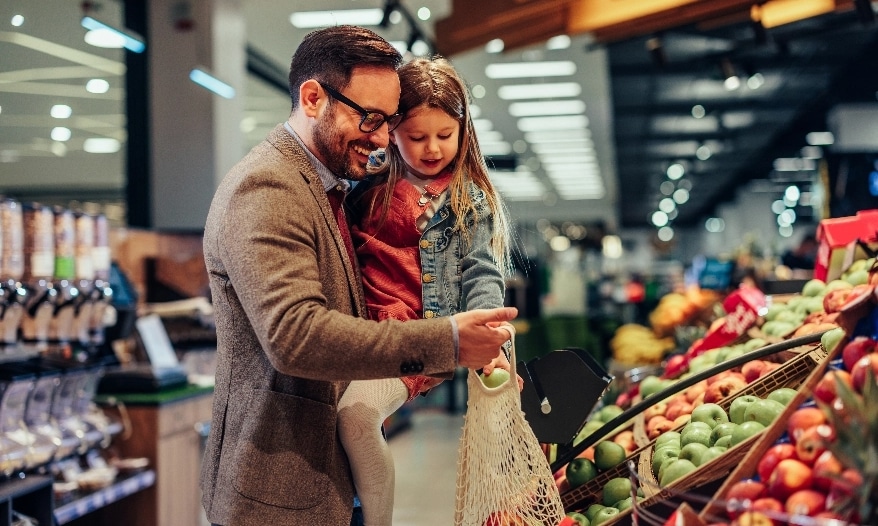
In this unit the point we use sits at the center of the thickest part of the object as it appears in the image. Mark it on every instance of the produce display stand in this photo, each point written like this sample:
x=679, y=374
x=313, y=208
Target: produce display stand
x=790, y=374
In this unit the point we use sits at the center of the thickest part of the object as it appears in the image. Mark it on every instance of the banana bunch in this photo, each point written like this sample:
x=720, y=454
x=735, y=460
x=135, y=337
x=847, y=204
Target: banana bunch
x=635, y=344
x=679, y=308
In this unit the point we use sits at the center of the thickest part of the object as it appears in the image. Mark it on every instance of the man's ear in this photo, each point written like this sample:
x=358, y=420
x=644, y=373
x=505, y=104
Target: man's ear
x=311, y=98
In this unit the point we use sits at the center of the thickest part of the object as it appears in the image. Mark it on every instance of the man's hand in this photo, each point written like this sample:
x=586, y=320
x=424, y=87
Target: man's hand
x=502, y=362
x=481, y=336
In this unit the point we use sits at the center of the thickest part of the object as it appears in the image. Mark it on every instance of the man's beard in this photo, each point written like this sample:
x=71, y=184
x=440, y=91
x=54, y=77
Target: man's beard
x=331, y=145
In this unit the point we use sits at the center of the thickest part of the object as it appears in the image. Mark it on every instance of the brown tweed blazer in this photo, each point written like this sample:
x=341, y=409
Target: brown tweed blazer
x=288, y=341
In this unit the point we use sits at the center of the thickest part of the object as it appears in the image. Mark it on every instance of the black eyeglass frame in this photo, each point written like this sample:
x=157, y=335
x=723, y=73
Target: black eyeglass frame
x=365, y=114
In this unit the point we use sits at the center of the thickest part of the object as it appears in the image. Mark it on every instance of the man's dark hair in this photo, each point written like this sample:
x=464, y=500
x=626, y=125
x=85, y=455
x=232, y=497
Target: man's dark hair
x=329, y=55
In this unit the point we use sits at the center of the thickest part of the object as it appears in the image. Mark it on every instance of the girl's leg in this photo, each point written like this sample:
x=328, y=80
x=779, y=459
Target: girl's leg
x=361, y=412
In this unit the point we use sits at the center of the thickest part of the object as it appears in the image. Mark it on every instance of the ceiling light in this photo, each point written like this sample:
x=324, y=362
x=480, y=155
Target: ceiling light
x=60, y=134
x=611, y=247
x=575, y=158
x=482, y=125
x=489, y=136
x=659, y=218
x=812, y=152
x=519, y=146
x=676, y=171
x=101, y=145
x=574, y=146
x=475, y=111
x=565, y=122
x=59, y=149
x=681, y=196
x=558, y=42
x=714, y=225
x=792, y=194
x=424, y=13
x=511, y=70
x=559, y=243
x=698, y=111
x=539, y=91
x=478, y=91
x=703, y=152
x=209, y=82
x=556, y=107
x=731, y=80
x=494, y=46
x=820, y=138
x=666, y=188
x=105, y=35
x=61, y=111
x=665, y=233
x=667, y=204
x=495, y=148
x=793, y=164
x=520, y=185
x=315, y=19
x=557, y=137
x=17, y=20
x=755, y=81
x=97, y=86
x=419, y=48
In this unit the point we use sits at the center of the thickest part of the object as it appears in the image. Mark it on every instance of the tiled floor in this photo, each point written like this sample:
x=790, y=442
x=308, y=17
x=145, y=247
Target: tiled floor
x=425, y=456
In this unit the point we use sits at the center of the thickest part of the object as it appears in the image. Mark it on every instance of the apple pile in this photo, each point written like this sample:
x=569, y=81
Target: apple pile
x=800, y=475
x=602, y=457
x=712, y=431
x=616, y=496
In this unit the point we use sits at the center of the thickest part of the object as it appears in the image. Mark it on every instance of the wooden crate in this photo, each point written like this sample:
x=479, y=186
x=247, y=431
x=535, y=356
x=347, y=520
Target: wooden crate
x=747, y=467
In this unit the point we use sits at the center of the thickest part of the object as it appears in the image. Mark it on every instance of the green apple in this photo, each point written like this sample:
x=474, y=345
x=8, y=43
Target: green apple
x=497, y=378
x=609, y=412
x=813, y=288
x=624, y=504
x=667, y=437
x=581, y=520
x=608, y=454
x=664, y=466
x=711, y=453
x=695, y=432
x=739, y=405
x=753, y=344
x=720, y=431
x=579, y=471
x=615, y=490
x=745, y=430
x=702, y=362
x=693, y=452
x=677, y=469
x=659, y=456
x=606, y=514
x=724, y=441
x=590, y=427
x=711, y=414
x=830, y=339
x=593, y=510
x=783, y=395
x=651, y=385
x=763, y=411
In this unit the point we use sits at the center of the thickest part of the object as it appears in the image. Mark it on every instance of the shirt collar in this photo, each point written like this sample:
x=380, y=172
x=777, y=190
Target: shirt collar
x=329, y=179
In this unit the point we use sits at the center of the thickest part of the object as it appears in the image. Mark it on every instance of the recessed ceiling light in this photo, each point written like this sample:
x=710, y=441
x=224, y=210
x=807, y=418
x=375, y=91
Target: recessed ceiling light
x=313, y=19
x=667, y=204
x=495, y=148
x=494, y=46
x=558, y=42
x=101, y=145
x=489, y=136
x=17, y=20
x=586, y=159
x=820, y=138
x=60, y=134
x=97, y=86
x=511, y=70
x=424, y=13
x=554, y=107
x=478, y=91
x=574, y=146
x=698, y=111
x=676, y=171
x=665, y=233
x=482, y=125
x=61, y=111
x=557, y=137
x=565, y=122
x=552, y=90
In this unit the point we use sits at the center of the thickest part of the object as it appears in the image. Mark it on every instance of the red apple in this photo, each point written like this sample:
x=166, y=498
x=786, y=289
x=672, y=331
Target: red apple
x=826, y=469
x=855, y=349
x=770, y=507
x=807, y=502
x=675, y=410
x=858, y=371
x=724, y=387
x=826, y=388
x=658, y=408
x=753, y=370
x=695, y=391
x=772, y=456
x=835, y=299
x=802, y=419
x=789, y=476
x=741, y=494
x=658, y=425
x=810, y=444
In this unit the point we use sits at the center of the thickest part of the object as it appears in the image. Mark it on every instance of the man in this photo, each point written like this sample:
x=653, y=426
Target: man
x=288, y=299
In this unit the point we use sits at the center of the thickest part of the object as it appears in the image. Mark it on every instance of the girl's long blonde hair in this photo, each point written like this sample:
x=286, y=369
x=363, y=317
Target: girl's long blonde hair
x=434, y=83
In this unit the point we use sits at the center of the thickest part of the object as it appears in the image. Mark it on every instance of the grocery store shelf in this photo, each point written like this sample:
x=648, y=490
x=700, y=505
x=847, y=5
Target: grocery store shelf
x=98, y=499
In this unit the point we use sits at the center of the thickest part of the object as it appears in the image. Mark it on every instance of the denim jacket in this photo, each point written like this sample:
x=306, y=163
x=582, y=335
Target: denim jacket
x=456, y=275
x=459, y=275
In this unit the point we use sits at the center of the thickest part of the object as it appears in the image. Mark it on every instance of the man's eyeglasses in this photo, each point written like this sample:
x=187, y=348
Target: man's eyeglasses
x=372, y=120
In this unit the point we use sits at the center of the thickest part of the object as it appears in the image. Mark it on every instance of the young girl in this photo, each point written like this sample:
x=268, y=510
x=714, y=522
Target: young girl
x=432, y=240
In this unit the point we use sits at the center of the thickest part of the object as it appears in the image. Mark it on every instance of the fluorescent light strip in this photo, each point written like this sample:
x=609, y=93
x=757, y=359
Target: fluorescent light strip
x=568, y=159
x=489, y=136
x=482, y=125
x=571, y=147
x=495, y=148
x=565, y=122
x=512, y=70
x=130, y=40
x=539, y=91
x=553, y=107
x=313, y=19
x=557, y=137
x=571, y=168
x=207, y=81
x=101, y=145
